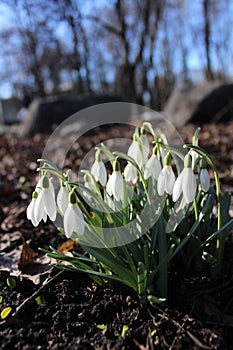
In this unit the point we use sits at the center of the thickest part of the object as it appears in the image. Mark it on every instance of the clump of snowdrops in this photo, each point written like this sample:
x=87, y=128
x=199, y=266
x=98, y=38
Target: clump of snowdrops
x=185, y=222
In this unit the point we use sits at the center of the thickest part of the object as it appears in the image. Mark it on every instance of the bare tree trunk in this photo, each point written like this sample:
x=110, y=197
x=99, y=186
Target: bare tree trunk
x=207, y=34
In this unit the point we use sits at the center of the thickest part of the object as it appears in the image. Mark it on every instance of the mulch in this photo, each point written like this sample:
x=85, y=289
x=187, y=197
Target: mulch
x=76, y=314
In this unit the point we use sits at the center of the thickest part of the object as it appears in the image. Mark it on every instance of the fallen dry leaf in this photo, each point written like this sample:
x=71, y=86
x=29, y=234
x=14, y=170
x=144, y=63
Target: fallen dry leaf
x=27, y=256
x=67, y=246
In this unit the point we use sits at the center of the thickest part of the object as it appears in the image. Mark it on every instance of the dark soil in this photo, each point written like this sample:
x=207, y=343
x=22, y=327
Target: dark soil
x=75, y=314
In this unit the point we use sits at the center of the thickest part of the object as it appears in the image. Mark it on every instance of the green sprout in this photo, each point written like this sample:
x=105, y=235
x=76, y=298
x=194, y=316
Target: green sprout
x=5, y=312
x=39, y=300
x=101, y=326
x=11, y=282
x=124, y=331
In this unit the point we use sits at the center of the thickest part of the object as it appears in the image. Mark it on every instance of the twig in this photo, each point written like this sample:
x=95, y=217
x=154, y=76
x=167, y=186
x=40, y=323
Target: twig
x=24, y=305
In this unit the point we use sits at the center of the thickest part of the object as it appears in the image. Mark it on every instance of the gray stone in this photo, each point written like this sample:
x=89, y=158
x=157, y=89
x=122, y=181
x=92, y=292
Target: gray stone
x=200, y=103
x=45, y=114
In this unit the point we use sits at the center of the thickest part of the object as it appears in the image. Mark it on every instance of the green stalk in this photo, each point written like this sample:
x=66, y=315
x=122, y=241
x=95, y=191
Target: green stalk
x=219, y=245
x=163, y=270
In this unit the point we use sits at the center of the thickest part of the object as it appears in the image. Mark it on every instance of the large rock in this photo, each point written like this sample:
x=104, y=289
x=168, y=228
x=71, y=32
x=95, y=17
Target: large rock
x=200, y=103
x=45, y=114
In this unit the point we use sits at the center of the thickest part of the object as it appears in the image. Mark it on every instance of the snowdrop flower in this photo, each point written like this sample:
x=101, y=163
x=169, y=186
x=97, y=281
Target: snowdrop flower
x=98, y=170
x=73, y=218
x=153, y=167
x=139, y=149
x=45, y=203
x=131, y=173
x=31, y=210
x=115, y=184
x=90, y=183
x=186, y=183
x=62, y=199
x=204, y=180
x=166, y=178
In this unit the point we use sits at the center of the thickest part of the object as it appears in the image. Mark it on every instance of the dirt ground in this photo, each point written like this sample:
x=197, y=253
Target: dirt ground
x=71, y=312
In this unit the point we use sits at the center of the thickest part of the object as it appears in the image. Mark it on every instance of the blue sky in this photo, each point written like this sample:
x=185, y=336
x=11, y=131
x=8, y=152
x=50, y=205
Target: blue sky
x=195, y=56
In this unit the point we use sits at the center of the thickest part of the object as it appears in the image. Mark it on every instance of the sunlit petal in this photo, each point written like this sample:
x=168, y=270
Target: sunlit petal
x=40, y=209
x=31, y=212
x=49, y=203
x=153, y=168
x=130, y=173
x=161, y=184
x=189, y=185
x=98, y=170
x=118, y=186
x=73, y=220
x=169, y=179
x=110, y=183
x=177, y=189
x=62, y=199
x=205, y=180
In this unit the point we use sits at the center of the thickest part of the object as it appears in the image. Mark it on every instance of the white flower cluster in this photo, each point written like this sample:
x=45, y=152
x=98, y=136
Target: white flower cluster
x=140, y=164
x=44, y=204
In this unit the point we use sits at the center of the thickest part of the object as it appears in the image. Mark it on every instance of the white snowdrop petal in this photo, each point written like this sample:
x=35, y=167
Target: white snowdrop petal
x=31, y=212
x=30, y=209
x=156, y=171
x=177, y=189
x=51, y=188
x=102, y=174
x=73, y=220
x=130, y=173
x=118, y=186
x=49, y=203
x=94, y=168
x=133, y=150
x=156, y=167
x=62, y=199
x=109, y=187
x=205, y=180
x=68, y=222
x=169, y=179
x=79, y=220
x=189, y=185
x=39, y=208
x=99, y=172
x=161, y=184
x=149, y=167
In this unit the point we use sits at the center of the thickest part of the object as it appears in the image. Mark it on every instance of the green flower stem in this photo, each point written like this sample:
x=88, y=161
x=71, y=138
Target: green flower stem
x=163, y=270
x=203, y=153
x=171, y=150
x=108, y=153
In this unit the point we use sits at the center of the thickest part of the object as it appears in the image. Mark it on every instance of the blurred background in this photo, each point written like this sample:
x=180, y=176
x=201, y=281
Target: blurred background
x=138, y=50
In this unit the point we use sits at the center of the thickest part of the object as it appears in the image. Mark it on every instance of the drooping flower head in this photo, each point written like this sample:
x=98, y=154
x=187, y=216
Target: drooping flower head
x=31, y=209
x=98, y=170
x=115, y=184
x=45, y=204
x=139, y=149
x=153, y=167
x=166, y=177
x=186, y=183
x=204, y=177
x=73, y=218
x=131, y=173
x=62, y=198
